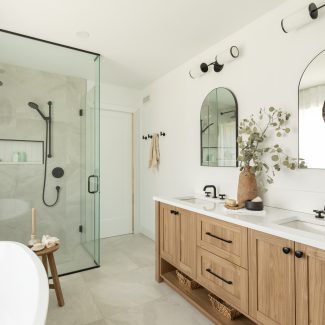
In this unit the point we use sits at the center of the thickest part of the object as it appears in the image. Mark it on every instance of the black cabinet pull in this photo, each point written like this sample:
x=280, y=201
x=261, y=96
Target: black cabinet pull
x=172, y=211
x=299, y=254
x=214, y=236
x=176, y=213
x=218, y=276
x=286, y=250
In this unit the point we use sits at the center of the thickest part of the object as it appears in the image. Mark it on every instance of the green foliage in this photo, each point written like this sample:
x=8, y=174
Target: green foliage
x=270, y=123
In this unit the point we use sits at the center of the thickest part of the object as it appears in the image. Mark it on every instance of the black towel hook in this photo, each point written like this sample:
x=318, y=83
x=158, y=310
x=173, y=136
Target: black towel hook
x=149, y=136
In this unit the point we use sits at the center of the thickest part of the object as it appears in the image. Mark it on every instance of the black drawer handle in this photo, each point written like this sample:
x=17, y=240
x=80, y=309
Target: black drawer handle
x=218, y=276
x=174, y=212
x=214, y=236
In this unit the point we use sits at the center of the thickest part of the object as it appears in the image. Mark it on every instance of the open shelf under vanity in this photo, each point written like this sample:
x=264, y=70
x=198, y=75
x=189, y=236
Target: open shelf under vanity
x=198, y=298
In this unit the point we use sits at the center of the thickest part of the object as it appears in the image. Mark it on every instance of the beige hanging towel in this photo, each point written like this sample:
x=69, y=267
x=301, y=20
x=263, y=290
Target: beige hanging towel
x=154, y=152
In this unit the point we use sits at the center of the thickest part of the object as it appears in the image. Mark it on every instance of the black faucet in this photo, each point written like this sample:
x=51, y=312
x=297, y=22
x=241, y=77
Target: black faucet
x=319, y=213
x=214, y=190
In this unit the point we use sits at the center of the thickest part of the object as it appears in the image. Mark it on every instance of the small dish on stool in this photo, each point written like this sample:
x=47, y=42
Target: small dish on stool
x=254, y=206
x=38, y=247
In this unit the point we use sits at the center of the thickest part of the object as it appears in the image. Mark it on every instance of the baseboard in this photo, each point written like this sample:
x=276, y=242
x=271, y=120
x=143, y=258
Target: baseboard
x=147, y=233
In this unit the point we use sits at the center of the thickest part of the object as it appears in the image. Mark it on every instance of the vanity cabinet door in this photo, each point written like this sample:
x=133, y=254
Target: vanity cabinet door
x=271, y=279
x=310, y=285
x=168, y=247
x=186, y=240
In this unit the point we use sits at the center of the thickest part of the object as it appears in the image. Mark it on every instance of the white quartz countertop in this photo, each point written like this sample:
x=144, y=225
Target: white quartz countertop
x=269, y=222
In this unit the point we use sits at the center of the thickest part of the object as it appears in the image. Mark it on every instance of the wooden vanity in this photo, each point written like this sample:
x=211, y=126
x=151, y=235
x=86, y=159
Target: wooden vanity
x=269, y=279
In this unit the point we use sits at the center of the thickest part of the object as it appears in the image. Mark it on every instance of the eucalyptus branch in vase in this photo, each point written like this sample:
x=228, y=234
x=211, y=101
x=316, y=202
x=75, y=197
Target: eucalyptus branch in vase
x=257, y=157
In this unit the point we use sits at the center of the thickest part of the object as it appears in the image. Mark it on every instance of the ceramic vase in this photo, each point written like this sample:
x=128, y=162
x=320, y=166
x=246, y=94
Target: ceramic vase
x=247, y=186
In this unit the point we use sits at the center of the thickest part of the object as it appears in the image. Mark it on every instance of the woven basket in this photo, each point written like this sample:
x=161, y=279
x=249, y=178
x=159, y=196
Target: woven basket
x=223, y=308
x=186, y=281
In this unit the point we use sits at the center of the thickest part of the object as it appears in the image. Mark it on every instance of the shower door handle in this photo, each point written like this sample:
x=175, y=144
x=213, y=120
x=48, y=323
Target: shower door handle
x=96, y=182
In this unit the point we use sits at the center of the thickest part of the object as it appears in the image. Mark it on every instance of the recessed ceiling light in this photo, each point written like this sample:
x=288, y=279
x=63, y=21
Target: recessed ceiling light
x=83, y=34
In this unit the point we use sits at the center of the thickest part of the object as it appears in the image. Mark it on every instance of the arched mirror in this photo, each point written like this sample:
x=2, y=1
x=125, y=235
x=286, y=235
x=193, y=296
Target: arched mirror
x=219, y=129
x=312, y=113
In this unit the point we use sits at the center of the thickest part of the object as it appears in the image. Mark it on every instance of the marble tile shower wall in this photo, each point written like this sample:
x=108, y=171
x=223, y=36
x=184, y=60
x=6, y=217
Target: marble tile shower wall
x=24, y=182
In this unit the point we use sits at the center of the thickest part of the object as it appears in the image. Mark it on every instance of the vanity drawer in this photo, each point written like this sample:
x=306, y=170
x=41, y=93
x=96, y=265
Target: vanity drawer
x=227, y=280
x=224, y=239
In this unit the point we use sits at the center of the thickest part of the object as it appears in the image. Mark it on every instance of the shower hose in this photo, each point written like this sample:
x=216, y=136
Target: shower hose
x=45, y=173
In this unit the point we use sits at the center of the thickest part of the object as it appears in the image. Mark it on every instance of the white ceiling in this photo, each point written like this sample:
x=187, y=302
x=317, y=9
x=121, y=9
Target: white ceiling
x=140, y=40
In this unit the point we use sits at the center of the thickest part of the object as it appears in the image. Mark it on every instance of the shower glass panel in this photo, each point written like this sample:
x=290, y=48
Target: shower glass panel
x=62, y=136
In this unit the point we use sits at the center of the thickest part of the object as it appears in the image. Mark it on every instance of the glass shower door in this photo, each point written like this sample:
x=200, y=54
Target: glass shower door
x=90, y=219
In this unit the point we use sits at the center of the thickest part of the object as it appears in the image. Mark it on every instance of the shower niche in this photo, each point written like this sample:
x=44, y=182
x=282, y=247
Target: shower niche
x=23, y=152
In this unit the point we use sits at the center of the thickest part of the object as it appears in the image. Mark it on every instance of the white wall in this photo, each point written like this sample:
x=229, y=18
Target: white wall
x=266, y=74
x=118, y=98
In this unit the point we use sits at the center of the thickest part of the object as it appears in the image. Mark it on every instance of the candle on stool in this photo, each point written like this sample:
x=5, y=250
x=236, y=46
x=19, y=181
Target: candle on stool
x=33, y=239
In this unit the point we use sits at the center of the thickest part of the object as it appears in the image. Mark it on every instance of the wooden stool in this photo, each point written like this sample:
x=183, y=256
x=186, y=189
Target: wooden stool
x=47, y=255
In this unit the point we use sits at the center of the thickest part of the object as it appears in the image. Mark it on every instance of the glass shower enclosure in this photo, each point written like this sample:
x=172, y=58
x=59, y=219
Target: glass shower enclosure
x=49, y=147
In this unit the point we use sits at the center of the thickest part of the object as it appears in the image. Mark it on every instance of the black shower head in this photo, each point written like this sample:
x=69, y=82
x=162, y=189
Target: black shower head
x=35, y=106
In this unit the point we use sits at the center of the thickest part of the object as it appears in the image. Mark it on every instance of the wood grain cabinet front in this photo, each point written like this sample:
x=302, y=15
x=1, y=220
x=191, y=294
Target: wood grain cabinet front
x=310, y=285
x=186, y=242
x=227, y=280
x=168, y=249
x=271, y=279
x=224, y=239
x=178, y=238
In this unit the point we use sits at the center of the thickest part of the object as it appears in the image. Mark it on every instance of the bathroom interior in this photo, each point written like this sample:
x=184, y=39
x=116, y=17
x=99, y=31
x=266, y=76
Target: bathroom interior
x=162, y=162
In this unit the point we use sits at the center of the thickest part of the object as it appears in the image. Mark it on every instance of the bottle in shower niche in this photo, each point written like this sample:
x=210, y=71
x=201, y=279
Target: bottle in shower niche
x=23, y=156
x=16, y=157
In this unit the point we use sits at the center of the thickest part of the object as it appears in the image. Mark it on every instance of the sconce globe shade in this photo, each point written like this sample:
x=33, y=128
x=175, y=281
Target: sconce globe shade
x=197, y=72
x=228, y=55
x=300, y=18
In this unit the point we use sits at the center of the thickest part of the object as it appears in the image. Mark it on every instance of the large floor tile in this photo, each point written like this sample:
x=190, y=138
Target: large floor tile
x=79, y=308
x=171, y=310
x=99, y=322
x=116, y=293
x=122, y=291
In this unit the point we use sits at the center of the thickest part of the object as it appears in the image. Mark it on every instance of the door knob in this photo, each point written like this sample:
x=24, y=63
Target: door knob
x=286, y=250
x=299, y=254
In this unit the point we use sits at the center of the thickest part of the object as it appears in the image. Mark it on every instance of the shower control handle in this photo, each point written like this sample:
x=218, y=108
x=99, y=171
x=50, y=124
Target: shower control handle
x=97, y=181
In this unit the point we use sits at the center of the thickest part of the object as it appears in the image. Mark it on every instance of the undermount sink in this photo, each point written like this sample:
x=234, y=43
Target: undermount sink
x=311, y=226
x=207, y=204
x=193, y=200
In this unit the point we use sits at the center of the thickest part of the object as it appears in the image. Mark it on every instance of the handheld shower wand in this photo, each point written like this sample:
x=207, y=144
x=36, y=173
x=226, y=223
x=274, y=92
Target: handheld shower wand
x=48, y=148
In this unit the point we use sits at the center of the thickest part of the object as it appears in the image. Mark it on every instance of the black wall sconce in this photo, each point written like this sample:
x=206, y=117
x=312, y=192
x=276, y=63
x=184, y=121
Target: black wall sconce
x=300, y=18
x=218, y=63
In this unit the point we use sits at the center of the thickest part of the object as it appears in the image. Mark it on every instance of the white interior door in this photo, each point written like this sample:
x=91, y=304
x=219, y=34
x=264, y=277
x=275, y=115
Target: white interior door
x=116, y=173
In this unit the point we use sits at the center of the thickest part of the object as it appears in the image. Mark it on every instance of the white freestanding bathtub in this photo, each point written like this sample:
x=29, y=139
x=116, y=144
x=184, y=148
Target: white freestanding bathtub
x=24, y=290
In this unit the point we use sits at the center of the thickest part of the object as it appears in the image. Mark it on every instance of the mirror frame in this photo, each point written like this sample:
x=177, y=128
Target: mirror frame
x=236, y=103
x=302, y=75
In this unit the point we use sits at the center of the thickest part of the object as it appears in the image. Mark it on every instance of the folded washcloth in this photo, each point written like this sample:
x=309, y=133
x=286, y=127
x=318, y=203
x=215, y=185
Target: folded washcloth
x=154, y=152
x=49, y=241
